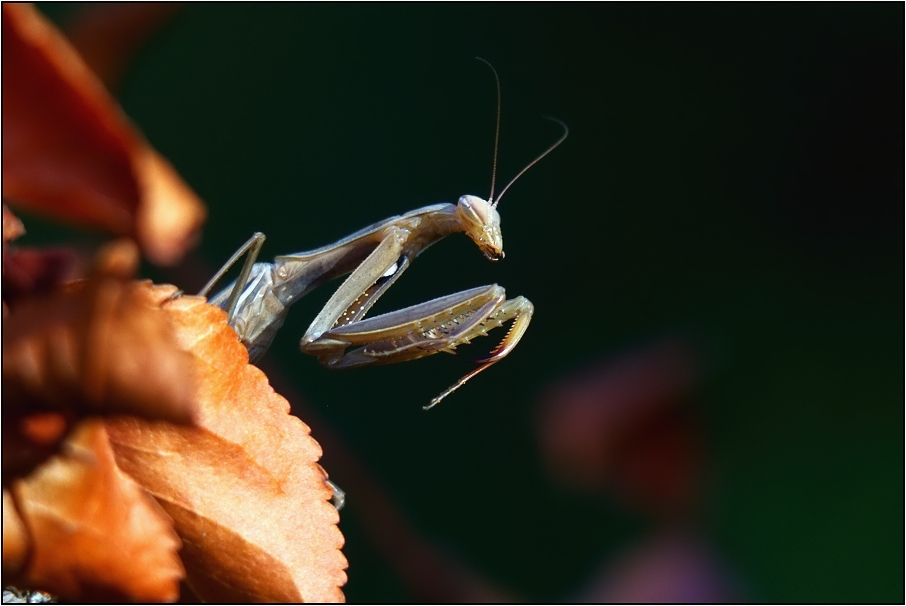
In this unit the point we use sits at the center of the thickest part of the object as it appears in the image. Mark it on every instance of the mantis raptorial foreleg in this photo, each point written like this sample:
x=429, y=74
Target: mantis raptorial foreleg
x=375, y=257
x=438, y=325
x=362, y=288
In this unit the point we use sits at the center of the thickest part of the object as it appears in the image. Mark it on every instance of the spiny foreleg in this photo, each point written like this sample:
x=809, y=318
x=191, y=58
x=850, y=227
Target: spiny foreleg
x=520, y=311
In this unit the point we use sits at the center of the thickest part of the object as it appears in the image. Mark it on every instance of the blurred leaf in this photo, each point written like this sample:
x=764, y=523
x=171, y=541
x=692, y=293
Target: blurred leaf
x=95, y=534
x=36, y=271
x=108, y=34
x=30, y=271
x=625, y=426
x=16, y=543
x=12, y=226
x=97, y=347
x=69, y=151
x=243, y=488
x=671, y=566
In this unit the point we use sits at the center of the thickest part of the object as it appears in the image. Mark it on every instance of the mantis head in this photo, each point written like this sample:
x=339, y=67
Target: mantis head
x=479, y=218
x=481, y=222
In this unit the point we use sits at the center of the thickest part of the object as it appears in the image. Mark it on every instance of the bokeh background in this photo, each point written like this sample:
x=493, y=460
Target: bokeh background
x=709, y=402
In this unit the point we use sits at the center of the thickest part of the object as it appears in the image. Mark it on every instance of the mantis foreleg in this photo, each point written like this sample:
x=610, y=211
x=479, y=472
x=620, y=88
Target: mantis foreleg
x=362, y=288
x=426, y=329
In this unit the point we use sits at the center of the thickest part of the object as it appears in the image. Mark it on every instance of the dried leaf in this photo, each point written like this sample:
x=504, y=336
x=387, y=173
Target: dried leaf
x=29, y=438
x=29, y=272
x=119, y=259
x=69, y=151
x=97, y=347
x=101, y=346
x=16, y=543
x=244, y=488
x=95, y=534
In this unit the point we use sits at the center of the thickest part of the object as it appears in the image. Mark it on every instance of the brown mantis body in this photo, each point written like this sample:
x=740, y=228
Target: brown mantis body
x=375, y=257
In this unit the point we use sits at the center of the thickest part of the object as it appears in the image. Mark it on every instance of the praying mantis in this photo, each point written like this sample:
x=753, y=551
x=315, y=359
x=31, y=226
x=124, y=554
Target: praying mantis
x=375, y=257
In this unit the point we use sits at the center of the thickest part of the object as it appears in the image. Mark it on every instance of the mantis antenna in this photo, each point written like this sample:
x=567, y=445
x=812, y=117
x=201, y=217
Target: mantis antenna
x=532, y=163
x=491, y=199
x=496, y=132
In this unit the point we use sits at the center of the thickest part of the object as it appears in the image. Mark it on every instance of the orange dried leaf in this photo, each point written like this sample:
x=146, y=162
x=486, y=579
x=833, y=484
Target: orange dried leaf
x=30, y=438
x=16, y=543
x=118, y=259
x=243, y=488
x=98, y=347
x=44, y=427
x=95, y=534
x=69, y=151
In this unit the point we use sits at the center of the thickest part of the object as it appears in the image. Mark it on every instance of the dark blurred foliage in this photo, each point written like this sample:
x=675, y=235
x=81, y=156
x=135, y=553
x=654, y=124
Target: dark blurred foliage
x=715, y=257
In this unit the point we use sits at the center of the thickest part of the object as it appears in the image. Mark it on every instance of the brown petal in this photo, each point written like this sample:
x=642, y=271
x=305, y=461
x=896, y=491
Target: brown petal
x=244, y=490
x=69, y=151
x=95, y=534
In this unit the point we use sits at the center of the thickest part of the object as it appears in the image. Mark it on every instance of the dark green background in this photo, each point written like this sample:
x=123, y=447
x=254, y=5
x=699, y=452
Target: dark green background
x=734, y=173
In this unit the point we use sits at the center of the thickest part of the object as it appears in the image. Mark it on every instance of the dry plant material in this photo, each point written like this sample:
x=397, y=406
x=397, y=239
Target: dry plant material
x=96, y=347
x=31, y=271
x=69, y=151
x=28, y=272
x=243, y=488
x=36, y=271
x=93, y=533
x=15, y=538
x=75, y=525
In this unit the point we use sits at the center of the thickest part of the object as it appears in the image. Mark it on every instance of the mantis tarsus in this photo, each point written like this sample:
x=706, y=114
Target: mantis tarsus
x=375, y=257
